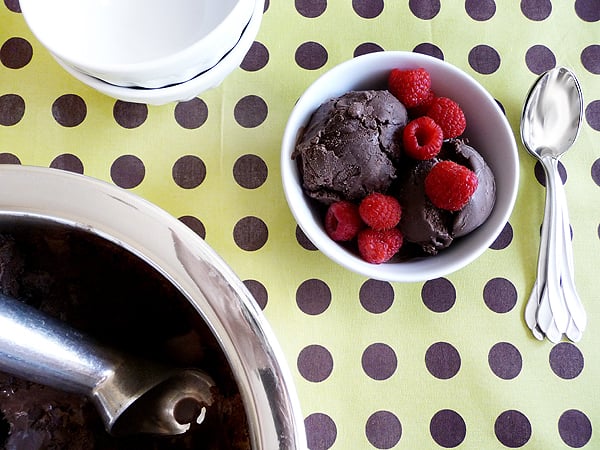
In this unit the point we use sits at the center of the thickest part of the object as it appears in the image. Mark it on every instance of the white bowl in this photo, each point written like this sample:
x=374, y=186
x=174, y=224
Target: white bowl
x=188, y=89
x=147, y=43
x=77, y=202
x=488, y=131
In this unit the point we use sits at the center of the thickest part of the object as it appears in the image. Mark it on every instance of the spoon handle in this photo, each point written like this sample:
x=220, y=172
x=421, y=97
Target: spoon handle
x=536, y=292
x=531, y=311
x=574, y=304
x=552, y=307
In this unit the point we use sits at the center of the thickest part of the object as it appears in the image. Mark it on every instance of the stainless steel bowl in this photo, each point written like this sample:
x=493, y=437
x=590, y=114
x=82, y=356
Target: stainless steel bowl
x=257, y=362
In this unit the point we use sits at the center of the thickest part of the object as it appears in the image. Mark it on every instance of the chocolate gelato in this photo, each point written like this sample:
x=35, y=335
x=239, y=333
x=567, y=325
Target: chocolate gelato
x=432, y=229
x=422, y=224
x=353, y=146
x=349, y=146
x=114, y=297
x=482, y=202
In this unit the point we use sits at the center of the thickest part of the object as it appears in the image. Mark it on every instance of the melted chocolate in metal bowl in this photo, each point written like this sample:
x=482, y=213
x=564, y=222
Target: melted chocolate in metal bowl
x=110, y=294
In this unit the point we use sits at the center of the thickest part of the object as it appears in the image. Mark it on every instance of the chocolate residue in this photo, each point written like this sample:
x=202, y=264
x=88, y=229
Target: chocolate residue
x=120, y=301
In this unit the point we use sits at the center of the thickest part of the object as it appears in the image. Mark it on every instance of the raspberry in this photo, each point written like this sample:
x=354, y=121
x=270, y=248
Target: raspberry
x=421, y=109
x=377, y=247
x=422, y=138
x=450, y=185
x=342, y=221
x=380, y=211
x=410, y=86
x=448, y=115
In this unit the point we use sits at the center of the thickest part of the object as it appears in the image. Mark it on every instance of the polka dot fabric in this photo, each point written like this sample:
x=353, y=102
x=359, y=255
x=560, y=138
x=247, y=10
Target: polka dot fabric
x=447, y=363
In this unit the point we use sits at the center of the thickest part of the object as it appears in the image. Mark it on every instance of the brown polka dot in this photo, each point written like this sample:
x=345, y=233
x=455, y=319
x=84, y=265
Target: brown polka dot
x=315, y=363
x=250, y=171
x=442, y=360
x=439, y=295
x=424, y=9
x=536, y=10
x=480, y=10
x=447, y=428
x=16, y=53
x=195, y=224
x=575, y=428
x=304, y=242
x=566, y=360
x=13, y=5
x=383, y=429
x=256, y=58
x=368, y=10
x=250, y=233
x=321, y=431
x=258, y=291
x=500, y=295
x=12, y=109
x=376, y=296
x=313, y=297
x=191, y=114
x=379, y=361
x=250, y=111
x=69, y=110
x=311, y=8
x=9, y=158
x=426, y=48
x=311, y=56
x=512, y=428
x=68, y=162
x=130, y=115
x=127, y=171
x=505, y=360
x=189, y=172
x=504, y=238
x=366, y=48
x=484, y=59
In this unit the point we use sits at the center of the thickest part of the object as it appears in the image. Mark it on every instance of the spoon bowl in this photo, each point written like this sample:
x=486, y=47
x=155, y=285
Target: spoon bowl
x=553, y=113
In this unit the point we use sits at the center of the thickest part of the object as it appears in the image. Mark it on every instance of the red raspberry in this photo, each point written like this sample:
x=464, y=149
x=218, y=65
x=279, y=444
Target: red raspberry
x=342, y=221
x=377, y=247
x=448, y=115
x=410, y=86
x=380, y=211
x=450, y=185
x=422, y=138
x=421, y=109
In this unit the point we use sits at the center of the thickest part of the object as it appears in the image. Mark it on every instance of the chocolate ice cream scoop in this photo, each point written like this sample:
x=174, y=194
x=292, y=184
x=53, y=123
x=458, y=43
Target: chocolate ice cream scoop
x=422, y=223
x=433, y=229
x=350, y=144
x=482, y=202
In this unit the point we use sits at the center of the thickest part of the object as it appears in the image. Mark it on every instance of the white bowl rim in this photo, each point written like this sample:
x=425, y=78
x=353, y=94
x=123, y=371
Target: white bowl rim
x=327, y=86
x=143, y=67
x=181, y=91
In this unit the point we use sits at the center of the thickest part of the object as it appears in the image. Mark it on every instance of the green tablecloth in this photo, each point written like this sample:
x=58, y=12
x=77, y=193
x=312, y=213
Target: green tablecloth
x=441, y=364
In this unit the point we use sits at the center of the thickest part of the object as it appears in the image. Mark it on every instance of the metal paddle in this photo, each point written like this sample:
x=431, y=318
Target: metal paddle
x=132, y=395
x=550, y=123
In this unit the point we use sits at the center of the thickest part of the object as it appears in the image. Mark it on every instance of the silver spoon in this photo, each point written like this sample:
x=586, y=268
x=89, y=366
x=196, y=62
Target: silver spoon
x=550, y=124
x=131, y=395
